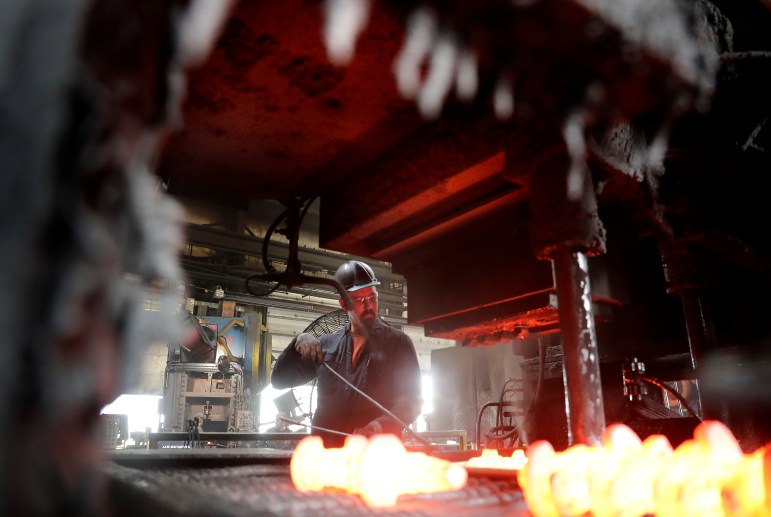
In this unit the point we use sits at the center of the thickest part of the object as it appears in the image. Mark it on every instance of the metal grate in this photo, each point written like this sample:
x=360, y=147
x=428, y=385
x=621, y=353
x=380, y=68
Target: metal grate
x=268, y=490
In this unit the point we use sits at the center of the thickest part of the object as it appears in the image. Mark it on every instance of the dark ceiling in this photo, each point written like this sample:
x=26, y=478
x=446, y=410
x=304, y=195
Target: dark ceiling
x=269, y=117
x=665, y=102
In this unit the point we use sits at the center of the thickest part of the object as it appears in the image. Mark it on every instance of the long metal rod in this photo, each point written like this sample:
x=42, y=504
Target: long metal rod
x=297, y=422
x=381, y=408
x=581, y=362
x=701, y=337
x=698, y=325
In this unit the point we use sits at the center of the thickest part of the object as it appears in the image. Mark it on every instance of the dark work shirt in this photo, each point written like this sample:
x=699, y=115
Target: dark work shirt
x=387, y=370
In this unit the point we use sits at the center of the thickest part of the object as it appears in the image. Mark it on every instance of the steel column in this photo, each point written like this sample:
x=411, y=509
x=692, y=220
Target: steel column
x=581, y=363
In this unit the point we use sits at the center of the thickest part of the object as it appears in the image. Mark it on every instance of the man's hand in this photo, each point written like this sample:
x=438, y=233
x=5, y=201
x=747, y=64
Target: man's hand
x=309, y=348
x=370, y=429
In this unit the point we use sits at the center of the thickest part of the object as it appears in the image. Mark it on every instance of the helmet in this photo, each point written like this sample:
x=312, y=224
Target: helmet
x=355, y=275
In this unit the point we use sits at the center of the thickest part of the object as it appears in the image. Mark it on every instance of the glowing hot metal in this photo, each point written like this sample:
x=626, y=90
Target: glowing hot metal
x=490, y=459
x=627, y=477
x=379, y=470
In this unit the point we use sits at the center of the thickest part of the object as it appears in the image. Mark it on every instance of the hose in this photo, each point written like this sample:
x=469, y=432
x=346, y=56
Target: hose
x=673, y=392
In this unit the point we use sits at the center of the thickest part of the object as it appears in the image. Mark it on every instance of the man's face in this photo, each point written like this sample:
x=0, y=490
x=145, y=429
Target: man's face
x=364, y=310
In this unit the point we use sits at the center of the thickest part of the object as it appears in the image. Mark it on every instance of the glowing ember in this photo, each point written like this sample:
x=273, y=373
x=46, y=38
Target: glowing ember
x=705, y=476
x=490, y=459
x=378, y=470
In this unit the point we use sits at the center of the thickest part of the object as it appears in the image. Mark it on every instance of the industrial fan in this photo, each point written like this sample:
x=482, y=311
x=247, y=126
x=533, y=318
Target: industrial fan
x=327, y=323
x=324, y=324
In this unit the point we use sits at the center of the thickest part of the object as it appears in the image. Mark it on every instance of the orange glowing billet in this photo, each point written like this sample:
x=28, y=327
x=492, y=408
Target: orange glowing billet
x=490, y=459
x=379, y=470
x=625, y=477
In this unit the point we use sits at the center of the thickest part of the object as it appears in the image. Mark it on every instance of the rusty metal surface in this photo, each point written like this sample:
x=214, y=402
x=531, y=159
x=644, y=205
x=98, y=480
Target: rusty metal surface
x=268, y=490
x=274, y=118
x=583, y=389
x=447, y=273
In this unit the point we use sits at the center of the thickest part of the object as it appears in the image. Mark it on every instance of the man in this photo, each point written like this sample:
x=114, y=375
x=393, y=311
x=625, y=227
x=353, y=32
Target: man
x=374, y=357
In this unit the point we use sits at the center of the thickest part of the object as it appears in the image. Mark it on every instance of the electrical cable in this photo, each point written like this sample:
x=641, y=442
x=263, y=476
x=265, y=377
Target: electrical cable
x=655, y=382
x=266, y=240
x=265, y=259
x=510, y=431
x=499, y=413
x=308, y=204
x=502, y=438
x=538, y=385
x=479, y=421
x=499, y=421
x=378, y=405
x=266, y=262
x=536, y=396
x=193, y=434
x=292, y=275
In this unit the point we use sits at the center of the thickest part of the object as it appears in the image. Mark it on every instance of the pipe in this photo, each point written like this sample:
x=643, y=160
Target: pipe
x=581, y=362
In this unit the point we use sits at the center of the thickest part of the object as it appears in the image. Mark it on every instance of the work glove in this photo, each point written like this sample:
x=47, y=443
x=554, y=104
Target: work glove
x=309, y=348
x=370, y=429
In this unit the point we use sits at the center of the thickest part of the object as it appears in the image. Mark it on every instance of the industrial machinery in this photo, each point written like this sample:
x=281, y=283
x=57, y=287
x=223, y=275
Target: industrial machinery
x=591, y=204
x=582, y=181
x=204, y=391
x=207, y=377
x=115, y=430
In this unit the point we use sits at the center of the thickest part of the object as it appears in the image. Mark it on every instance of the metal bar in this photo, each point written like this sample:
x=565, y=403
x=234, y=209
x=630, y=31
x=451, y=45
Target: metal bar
x=382, y=408
x=698, y=324
x=309, y=426
x=581, y=363
x=701, y=336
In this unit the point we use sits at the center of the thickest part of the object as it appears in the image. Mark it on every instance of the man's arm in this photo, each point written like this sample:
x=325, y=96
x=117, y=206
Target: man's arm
x=291, y=368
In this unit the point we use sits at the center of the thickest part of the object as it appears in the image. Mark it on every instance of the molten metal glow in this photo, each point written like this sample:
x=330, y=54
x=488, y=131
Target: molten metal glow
x=626, y=477
x=378, y=470
x=490, y=459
